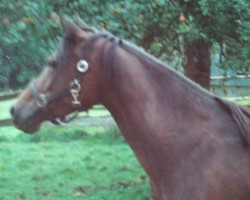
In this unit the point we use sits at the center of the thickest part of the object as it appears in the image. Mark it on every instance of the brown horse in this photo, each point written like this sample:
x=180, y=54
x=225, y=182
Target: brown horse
x=192, y=145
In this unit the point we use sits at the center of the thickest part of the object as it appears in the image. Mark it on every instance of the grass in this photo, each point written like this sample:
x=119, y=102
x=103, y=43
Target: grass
x=69, y=163
x=240, y=101
x=5, y=108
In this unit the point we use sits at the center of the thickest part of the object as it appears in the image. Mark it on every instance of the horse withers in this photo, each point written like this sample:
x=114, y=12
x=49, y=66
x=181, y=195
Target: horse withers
x=192, y=144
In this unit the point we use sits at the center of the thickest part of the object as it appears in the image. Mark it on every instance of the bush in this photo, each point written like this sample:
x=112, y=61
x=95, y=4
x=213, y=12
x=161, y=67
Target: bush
x=27, y=37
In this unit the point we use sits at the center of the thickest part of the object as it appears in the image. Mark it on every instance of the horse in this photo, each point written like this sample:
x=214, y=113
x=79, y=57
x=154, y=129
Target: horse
x=191, y=143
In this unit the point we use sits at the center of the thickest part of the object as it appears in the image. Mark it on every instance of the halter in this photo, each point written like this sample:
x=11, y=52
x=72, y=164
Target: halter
x=42, y=100
x=74, y=88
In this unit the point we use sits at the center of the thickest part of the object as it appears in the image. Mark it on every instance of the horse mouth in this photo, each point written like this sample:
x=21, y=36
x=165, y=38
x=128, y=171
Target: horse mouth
x=28, y=129
x=28, y=126
x=26, y=121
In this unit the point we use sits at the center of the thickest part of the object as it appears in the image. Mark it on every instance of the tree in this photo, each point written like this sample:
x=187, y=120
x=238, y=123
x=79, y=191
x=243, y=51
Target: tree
x=28, y=31
x=188, y=29
x=180, y=32
x=212, y=22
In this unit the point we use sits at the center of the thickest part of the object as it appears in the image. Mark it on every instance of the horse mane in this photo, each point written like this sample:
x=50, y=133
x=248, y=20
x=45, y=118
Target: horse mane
x=107, y=60
x=240, y=114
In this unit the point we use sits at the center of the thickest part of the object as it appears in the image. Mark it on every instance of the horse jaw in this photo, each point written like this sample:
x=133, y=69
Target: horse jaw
x=26, y=115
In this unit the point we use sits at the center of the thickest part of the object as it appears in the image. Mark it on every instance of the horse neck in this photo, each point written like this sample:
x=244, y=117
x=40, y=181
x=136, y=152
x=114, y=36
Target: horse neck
x=155, y=109
x=144, y=100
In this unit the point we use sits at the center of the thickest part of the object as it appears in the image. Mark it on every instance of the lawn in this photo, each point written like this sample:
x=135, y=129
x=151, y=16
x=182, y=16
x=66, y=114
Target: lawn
x=240, y=101
x=91, y=163
x=59, y=163
x=5, y=108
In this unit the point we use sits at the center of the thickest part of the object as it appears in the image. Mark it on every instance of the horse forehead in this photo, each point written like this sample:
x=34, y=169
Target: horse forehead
x=62, y=53
x=69, y=48
x=45, y=77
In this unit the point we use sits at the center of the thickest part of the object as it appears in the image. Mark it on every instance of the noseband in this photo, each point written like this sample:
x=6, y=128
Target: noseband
x=74, y=89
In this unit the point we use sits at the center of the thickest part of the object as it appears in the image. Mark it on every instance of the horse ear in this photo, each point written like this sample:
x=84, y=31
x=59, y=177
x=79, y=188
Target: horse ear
x=80, y=23
x=71, y=29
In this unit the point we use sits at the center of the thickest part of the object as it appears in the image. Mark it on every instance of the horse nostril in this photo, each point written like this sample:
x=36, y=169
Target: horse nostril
x=12, y=111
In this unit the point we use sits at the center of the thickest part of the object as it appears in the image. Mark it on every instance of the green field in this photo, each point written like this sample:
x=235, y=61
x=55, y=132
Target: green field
x=69, y=163
x=240, y=101
x=5, y=108
x=92, y=163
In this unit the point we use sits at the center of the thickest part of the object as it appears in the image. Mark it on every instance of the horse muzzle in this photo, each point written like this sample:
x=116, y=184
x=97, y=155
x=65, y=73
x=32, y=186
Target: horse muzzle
x=27, y=125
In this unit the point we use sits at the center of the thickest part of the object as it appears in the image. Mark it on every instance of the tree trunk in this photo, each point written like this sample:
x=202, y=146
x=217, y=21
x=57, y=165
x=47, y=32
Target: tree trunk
x=197, y=67
x=147, y=41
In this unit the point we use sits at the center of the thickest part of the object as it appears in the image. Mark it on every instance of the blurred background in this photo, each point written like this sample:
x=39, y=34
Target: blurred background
x=207, y=40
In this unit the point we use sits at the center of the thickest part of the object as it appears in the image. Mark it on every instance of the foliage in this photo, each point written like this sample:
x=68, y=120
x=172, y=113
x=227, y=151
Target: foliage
x=226, y=23
x=27, y=37
x=87, y=163
x=30, y=29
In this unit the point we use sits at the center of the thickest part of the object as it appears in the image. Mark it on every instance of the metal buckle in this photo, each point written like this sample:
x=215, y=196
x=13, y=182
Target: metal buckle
x=75, y=89
x=41, y=100
x=82, y=66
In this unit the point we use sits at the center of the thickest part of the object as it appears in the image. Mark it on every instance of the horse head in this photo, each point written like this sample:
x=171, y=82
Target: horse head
x=69, y=82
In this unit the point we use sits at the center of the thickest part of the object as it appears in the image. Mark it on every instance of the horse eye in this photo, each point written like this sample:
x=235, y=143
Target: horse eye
x=52, y=63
